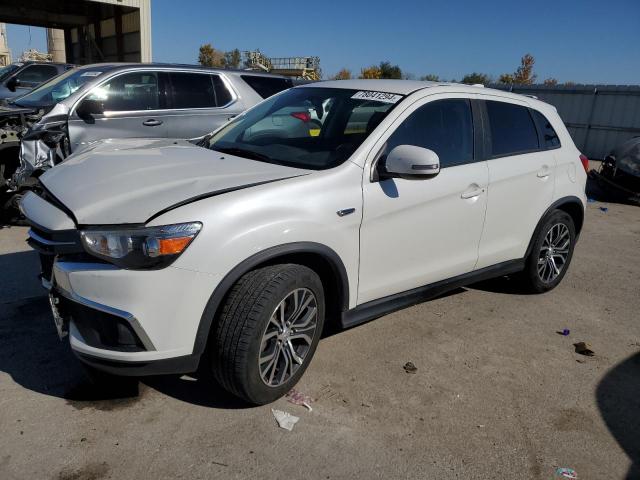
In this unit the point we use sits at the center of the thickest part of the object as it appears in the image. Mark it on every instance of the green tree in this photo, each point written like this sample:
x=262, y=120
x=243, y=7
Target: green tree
x=430, y=78
x=371, y=72
x=344, y=74
x=210, y=57
x=506, y=78
x=232, y=58
x=390, y=71
x=475, y=77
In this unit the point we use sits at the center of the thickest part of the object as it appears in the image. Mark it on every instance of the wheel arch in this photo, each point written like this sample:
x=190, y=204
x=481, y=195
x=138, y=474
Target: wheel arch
x=320, y=258
x=573, y=206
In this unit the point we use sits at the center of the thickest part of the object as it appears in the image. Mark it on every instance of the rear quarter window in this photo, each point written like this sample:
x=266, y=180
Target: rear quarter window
x=512, y=129
x=267, y=86
x=550, y=138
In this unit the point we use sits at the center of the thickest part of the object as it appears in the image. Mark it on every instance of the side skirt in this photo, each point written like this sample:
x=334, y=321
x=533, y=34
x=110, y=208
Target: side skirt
x=383, y=306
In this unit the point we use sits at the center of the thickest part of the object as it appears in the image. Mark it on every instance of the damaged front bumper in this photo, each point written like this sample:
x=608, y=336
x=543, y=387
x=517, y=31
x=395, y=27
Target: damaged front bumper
x=40, y=150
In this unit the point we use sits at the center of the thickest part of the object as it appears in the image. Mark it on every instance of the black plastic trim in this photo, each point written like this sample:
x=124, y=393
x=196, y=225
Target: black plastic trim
x=168, y=366
x=553, y=206
x=259, y=258
x=383, y=306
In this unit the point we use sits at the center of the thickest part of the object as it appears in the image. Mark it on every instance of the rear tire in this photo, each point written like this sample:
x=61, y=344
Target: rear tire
x=551, y=253
x=268, y=331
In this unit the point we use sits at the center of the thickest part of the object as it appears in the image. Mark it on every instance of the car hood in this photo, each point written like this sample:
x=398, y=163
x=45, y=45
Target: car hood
x=130, y=181
x=9, y=110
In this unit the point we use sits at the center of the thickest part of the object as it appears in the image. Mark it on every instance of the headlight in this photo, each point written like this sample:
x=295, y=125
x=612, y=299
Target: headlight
x=140, y=248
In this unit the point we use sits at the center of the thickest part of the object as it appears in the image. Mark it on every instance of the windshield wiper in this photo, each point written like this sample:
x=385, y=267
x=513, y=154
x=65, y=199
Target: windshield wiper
x=243, y=152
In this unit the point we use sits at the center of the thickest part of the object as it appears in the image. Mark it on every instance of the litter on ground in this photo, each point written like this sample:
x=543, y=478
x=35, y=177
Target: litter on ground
x=564, y=472
x=285, y=420
x=584, y=348
x=409, y=367
x=299, y=398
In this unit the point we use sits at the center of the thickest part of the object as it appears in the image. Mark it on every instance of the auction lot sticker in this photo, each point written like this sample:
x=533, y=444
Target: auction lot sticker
x=377, y=96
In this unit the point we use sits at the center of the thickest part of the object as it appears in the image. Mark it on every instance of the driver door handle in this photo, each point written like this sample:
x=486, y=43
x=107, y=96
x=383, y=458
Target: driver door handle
x=152, y=122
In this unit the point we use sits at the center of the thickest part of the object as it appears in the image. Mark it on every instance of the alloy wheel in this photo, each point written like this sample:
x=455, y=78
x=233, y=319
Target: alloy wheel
x=288, y=337
x=554, y=252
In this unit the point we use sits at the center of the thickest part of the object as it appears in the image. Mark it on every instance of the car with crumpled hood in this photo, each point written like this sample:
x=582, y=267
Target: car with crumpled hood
x=101, y=101
x=620, y=170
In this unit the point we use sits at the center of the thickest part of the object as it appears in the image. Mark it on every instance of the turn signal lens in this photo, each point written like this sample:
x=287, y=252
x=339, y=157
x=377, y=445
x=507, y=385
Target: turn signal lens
x=166, y=246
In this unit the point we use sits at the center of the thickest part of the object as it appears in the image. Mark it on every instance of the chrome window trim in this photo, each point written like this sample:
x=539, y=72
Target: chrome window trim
x=112, y=114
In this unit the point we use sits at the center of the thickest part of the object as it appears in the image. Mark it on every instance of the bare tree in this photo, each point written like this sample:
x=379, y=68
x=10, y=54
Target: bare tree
x=552, y=82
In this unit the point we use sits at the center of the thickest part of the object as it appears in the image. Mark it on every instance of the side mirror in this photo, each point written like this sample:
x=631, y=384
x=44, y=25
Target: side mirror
x=12, y=84
x=89, y=107
x=411, y=162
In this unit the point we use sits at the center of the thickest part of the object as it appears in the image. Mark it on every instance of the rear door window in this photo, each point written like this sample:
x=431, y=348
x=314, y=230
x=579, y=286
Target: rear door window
x=550, y=138
x=192, y=90
x=134, y=91
x=444, y=126
x=267, y=86
x=512, y=129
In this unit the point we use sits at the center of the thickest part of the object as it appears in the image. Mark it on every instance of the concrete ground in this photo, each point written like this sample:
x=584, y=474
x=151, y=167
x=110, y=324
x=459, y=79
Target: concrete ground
x=497, y=392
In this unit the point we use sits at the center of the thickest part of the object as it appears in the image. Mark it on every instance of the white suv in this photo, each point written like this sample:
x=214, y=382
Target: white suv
x=243, y=247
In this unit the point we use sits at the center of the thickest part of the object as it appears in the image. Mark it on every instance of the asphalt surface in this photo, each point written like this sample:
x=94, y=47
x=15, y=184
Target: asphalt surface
x=497, y=392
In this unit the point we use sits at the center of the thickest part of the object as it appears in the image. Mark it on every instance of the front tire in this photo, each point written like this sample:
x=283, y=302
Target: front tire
x=268, y=331
x=551, y=253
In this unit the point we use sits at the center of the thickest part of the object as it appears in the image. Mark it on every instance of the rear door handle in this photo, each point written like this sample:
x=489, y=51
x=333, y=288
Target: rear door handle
x=544, y=172
x=152, y=122
x=474, y=191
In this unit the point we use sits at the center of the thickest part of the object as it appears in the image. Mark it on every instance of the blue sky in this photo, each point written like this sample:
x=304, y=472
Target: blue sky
x=584, y=41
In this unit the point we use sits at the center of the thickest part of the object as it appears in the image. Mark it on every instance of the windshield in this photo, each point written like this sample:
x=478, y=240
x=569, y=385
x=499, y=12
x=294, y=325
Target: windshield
x=313, y=128
x=58, y=88
x=7, y=70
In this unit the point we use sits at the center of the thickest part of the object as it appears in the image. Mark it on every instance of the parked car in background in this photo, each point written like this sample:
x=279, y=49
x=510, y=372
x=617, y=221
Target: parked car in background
x=245, y=245
x=101, y=101
x=620, y=170
x=16, y=79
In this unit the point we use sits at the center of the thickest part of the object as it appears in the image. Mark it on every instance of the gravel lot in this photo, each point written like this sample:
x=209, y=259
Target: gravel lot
x=497, y=392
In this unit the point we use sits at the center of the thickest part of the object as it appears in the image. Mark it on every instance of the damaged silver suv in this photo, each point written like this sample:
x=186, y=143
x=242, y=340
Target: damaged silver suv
x=102, y=101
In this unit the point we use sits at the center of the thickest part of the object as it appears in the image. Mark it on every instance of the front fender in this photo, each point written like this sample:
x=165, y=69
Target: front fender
x=240, y=224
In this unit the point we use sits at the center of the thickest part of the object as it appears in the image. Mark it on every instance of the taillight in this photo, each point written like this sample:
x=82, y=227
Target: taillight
x=303, y=116
x=585, y=162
